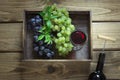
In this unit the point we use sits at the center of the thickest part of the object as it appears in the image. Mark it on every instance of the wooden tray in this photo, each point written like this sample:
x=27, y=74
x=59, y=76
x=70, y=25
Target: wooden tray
x=61, y=68
x=82, y=22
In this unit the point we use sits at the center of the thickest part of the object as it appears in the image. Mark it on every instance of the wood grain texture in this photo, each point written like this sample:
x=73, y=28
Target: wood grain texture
x=110, y=29
x=12, y=10
x=11, y=40
x=10, y=36
x=10, y=76
x=9, y=66
x=102, y=10
x=59, y=69
x=64, y=70
x=10, y=56
x=54, y=70
x=9, y=71
x=111, y=56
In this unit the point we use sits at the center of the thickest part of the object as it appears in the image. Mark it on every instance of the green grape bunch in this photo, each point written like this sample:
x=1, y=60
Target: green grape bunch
x=57, y=20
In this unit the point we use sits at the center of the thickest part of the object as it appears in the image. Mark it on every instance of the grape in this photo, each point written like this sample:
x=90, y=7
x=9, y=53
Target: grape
x=66, y=13
x=65, y=45
x=56, y=28
x=35, y=38
x=52, y=53
x=56, y=40
x=63, y=31
x=49, y=55
x=62, y=39
x=33, y=20
x=59, y=13
x=60, y=48
x=37, y=28
x=67, y=39
x=48, y=46
x=63, y=28
x=42, y=48
x=56, y=20
x=38, y=21
x=59, y=34
x=40, y=43
x=33, y=23
x=68, y=29
x=72, y=27
x=37, y=17
x=39, y=47
x=46, y=50
x=40, y=53
x=62, y=25
x=36, y=48
x=68, y=32
x=63, y=49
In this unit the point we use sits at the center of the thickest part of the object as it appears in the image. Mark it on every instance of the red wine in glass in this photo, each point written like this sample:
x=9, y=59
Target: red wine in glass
x=78, y=38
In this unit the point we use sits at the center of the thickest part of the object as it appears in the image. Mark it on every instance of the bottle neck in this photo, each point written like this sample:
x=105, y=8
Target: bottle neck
x=100, y=62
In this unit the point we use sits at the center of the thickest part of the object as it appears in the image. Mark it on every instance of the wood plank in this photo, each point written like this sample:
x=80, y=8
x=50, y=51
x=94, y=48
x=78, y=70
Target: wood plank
x=9, y=63
x=25, y=3
x=12, y=10
x=102, y=10
x=10, y=76
x=10, y=56
x=9, y=71
x=110, y=29
x=10, y=36
x=59, y=69
x=37, y=70
x=111, y=56
x=40, y=69
x=9, y=66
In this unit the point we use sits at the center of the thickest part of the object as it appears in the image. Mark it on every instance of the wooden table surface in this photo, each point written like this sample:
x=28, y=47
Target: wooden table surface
x=105, y=21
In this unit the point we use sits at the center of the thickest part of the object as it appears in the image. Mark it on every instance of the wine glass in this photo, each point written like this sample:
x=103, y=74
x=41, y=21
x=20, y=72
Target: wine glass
x=78, y=39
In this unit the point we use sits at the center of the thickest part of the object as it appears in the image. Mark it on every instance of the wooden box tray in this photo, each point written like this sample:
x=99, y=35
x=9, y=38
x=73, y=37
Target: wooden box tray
x=82, y=22
x=77, y=64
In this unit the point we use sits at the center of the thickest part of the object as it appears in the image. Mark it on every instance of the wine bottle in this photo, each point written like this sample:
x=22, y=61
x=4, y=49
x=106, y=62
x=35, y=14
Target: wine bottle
x=98, y=74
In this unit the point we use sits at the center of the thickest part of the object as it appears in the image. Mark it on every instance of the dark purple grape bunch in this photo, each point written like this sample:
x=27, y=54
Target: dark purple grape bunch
x=45, y=50
x=35, y=23
x=42, y=49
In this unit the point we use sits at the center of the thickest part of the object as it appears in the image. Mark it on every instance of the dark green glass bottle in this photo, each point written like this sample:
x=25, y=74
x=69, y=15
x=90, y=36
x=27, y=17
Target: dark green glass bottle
x=98, y=74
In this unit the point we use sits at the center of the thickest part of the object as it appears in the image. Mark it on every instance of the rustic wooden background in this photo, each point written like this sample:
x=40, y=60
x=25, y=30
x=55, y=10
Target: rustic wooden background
x=105, y=20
